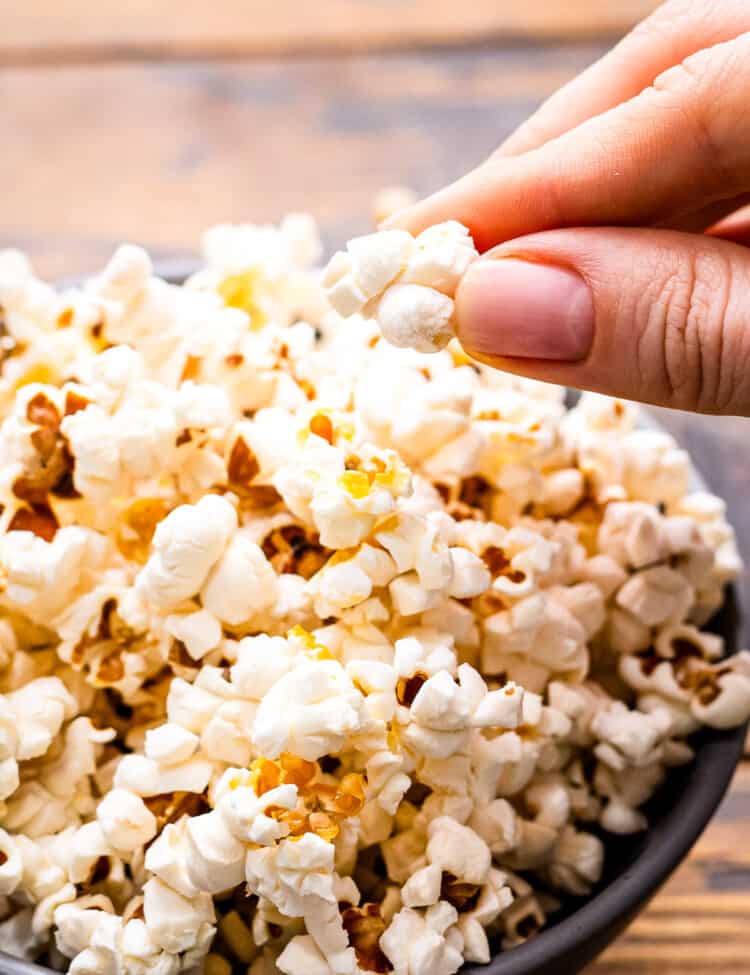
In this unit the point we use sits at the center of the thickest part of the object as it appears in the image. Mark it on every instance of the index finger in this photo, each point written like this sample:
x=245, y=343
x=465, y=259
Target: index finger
x=673, y=32
x=673, y=148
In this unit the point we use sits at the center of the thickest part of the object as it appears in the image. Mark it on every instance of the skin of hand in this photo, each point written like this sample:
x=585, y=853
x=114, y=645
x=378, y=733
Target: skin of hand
x=615, y=253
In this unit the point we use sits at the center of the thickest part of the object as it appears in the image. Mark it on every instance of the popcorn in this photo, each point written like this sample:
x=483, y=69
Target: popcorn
x=174, y=922
x=340, y=585
x=458, y=850
x=199, y=631
x=342, y=502
x=41, y=575
x=309, y=712
x=723, y=696
x=407, y=284
x=417, y=944
x=297, y=627
x=125, y=820
x=145, y=777
x=413, y=316
x=170, y=744
x=656, y=595
x=187, y=544
x=241, y=584
x=303, y=957
x=38, y=711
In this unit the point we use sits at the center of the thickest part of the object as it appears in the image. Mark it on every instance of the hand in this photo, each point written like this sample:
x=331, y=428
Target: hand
x=640, y=156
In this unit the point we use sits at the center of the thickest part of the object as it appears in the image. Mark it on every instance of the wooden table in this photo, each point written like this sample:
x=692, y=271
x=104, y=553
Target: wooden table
x=151, y=119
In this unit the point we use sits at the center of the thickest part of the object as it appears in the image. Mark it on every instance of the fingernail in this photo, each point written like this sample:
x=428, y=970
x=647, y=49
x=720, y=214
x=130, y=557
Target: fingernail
x=512, y=307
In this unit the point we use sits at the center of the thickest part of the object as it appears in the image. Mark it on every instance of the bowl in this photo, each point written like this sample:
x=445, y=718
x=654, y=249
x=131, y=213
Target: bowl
x=635, y=866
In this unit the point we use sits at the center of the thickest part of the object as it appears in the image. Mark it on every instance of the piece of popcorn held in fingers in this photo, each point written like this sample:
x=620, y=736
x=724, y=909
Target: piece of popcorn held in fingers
x=407, y=284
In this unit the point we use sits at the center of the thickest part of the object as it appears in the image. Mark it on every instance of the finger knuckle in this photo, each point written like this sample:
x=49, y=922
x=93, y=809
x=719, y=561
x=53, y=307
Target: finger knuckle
x=699, y=90
x=690, y=316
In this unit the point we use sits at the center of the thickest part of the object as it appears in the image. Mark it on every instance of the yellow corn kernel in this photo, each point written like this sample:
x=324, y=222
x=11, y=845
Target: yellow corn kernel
x=216, y=965
x=238, y=291
x=237, y=935
x=355, y=483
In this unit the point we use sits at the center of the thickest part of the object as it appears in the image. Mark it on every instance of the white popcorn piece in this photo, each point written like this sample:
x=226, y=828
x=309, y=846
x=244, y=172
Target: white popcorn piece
x=187, y=544
x=125, y=820
x=413, y=316
x=261, y=662
x=348, y=583
x=378, y=259
x=241, y=584
x=39, y=710
x=215, y=858
x=42, y=576
x=309, y=712
x=470, y=575
x=423, y=887
x=173, y=921
x=633, y=534
x=656, y=596
x=170, y=744
x=125, y=276
x=303, y=957
x=458, y=850
x=88, y=845
x=727, y=704
x=167, y=858
x=442, y=256
x=577, y=862
x=200, y=631
x=369, y=265
x=295, y=877
x=145, y=777
x=342, y=503
x=419, y=944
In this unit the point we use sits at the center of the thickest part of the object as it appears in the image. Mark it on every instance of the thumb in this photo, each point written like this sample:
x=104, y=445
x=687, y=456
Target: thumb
x=651, y=315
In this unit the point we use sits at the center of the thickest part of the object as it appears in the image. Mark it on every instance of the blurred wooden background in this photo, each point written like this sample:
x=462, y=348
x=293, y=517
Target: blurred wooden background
x=151, y=119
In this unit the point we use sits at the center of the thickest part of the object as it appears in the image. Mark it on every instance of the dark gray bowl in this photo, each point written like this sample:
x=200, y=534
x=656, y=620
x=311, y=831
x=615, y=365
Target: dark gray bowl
x=636, y=866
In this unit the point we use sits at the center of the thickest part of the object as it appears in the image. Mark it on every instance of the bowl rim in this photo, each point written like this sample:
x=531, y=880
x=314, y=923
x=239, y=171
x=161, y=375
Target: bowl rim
x=711, y=772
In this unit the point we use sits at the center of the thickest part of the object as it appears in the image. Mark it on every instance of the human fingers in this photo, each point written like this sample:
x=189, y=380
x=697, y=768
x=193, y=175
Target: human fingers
x=672, y=33
x=651, y=315
x=681, y=144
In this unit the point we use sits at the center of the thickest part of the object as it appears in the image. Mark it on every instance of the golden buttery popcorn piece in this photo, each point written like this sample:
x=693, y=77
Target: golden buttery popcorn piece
x=306, y=640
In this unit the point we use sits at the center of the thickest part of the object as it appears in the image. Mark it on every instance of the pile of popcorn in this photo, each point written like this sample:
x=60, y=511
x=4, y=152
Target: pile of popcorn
x=317, y=655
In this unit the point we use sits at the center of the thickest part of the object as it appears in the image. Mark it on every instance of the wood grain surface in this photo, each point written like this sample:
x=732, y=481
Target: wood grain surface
x=40, y=30
x=152, y=119
x=155, y=152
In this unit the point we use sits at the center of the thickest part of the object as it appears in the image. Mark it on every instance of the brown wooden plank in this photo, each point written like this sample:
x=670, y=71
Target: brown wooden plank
x=699, y=922
x=92, y=155
x=46, y=29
